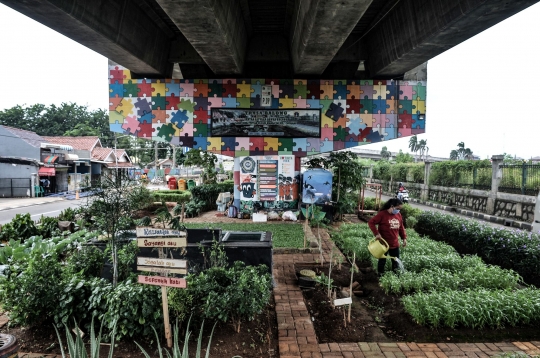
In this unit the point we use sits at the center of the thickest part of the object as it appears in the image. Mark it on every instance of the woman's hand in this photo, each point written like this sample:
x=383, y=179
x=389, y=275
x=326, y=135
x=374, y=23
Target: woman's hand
x=404, y=241
x=378, y=236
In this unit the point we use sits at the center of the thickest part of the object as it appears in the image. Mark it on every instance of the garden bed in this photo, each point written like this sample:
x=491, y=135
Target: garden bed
x=257, y=338
x=380, y=317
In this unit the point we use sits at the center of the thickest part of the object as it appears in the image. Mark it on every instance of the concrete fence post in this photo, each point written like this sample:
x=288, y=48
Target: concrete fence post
x=371, y=173
x=496, y=176
x=424, y=195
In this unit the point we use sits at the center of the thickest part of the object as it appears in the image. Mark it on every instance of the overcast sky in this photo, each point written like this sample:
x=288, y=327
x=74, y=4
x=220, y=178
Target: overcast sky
x=484, y=92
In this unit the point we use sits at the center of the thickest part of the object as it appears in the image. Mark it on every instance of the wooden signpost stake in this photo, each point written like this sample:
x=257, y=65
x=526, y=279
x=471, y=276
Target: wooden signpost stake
x=160, y=239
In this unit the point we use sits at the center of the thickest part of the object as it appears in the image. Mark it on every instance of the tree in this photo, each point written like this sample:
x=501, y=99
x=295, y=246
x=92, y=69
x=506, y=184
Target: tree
x=205, y=160
x=111, y=208
x=404, y=157
x=422, y=147
x=413, y=143
x=385, y=154
x=461, y=153
x=65, y=120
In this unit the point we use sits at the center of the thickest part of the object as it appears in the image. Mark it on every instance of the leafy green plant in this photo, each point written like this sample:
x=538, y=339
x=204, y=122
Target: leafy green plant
x=21, y=228
x=48, y=226
x=67, y=214
x=133, y=308
x=77, y=349
x=207, y=193
x=323, y=280
x=32, y=296
x=510, y=249
x=474, y=308
x=88, y=261
x=228, y=294
x=184, y=353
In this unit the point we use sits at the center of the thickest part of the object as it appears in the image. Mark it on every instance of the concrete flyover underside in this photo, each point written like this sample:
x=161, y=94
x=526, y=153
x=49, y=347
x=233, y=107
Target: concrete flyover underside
x=272, y=39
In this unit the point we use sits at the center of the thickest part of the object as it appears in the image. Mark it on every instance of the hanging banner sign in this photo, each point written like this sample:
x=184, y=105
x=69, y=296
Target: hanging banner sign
x=153, y=232
x=168, y=263
x=172, y=242
x=162, y=271
x=266, y=96
x=163, y=281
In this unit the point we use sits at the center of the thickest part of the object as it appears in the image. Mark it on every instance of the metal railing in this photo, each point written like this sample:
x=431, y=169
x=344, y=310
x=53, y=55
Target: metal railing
x=521, y=179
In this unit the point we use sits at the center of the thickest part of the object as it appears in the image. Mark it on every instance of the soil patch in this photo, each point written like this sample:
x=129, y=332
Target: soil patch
x=378, y=317
x=256, y=339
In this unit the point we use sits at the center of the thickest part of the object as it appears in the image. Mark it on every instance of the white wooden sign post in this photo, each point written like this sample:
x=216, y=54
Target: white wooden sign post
x=160, y=239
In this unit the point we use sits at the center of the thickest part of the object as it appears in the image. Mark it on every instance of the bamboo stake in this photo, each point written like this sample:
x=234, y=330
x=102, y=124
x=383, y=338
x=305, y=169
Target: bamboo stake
x=165, y=303
x=350, y=286
x=330, y=269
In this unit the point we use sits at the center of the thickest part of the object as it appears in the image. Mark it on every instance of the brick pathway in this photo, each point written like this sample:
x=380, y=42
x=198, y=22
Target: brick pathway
x=297, y=337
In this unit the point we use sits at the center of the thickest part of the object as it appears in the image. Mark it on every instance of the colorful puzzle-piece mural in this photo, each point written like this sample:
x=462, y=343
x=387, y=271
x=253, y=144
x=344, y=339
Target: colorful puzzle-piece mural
x=353, y=112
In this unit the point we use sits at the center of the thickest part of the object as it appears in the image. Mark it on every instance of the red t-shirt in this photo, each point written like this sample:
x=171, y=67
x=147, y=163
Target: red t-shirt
x=389, y=226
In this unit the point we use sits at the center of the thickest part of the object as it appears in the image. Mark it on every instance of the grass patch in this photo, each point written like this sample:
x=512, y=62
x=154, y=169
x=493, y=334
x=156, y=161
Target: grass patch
x=283, y=235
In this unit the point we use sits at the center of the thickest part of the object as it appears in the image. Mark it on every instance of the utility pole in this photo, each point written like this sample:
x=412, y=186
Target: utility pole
x=173, y=156
x=155, y=157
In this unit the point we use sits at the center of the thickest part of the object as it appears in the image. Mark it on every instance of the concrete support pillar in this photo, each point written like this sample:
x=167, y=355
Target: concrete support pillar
x=33, y=183
x=424, y=195
x=496, y=176
x=236, y=178
x=371, y=173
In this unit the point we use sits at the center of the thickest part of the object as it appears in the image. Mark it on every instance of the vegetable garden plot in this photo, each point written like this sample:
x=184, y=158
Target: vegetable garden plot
x=455, y=294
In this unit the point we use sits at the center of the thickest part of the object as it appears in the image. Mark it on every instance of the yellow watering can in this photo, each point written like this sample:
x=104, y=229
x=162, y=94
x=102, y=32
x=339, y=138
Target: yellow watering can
x=378, y=248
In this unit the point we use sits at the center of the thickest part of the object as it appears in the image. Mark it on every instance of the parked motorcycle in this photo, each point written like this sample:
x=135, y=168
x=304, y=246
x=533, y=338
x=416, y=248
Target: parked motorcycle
x=403, y=196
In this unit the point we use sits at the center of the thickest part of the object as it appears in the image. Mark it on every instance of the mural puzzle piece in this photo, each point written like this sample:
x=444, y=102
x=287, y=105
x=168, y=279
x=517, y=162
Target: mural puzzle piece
x=355, y=125
x=131, y=124
x=145, y=88
x=143, y=106
x=335, y=111
x=166, y=131
x=131, y=89
x=243, y=89
x=172, y=87
x=271, y=143
x=186, y=105
x=340, y=89
x=214, y=144
x=179, y=118
x=115, y=117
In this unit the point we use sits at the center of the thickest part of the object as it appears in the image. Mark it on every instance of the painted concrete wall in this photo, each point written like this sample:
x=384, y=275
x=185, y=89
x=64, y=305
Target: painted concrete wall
x=352, y=112
x=13, y=146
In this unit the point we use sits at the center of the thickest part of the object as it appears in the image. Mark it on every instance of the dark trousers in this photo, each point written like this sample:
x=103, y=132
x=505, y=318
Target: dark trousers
x=382, y=262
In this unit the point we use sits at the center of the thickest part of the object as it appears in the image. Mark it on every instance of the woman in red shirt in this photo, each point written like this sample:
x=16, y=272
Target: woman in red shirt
x=388, y=224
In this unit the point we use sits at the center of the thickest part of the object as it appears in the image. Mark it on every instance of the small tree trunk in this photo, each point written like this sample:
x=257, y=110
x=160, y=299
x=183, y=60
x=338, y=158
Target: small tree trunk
x=182, y=213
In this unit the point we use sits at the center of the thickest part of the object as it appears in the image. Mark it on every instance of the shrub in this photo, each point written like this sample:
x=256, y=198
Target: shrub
x=134, y=307
x=67, y=215
x=510, y=249
x=234, y=294
x=174, y=196
x=408, y=211
x=20, y=228
x=87, y=262
x=208, y=193
x=48, y=226
x=32, y=296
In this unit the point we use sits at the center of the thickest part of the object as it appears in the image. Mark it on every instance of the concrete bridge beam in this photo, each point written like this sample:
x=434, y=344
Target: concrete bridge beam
x=215, y=28
x=319, y=28
x=124, y=33
x=414, y=31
